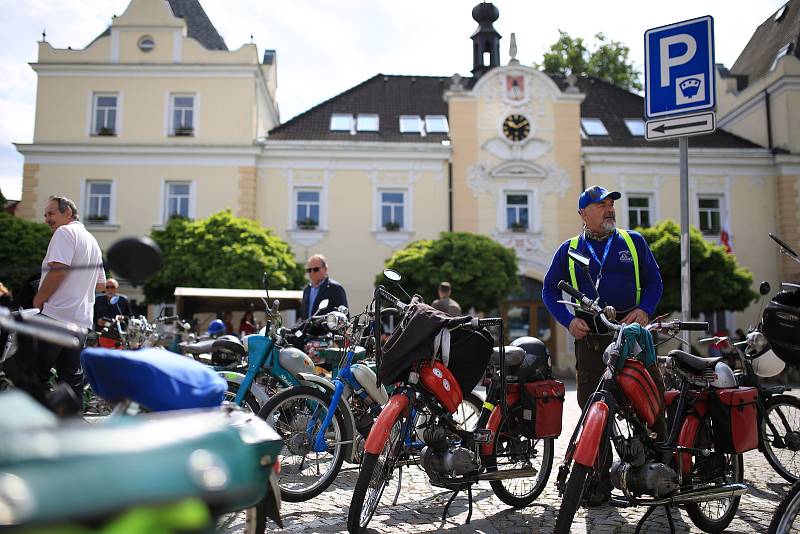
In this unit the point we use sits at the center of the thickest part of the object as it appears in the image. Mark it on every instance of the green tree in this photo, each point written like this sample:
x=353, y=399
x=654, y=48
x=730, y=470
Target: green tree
x=23, y=245
x=220, y=251
x=718, y=282
x=483, y=272
x=608, y=61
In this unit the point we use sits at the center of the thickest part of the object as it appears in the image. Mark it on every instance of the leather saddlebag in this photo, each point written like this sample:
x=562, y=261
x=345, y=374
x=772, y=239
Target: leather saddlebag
x=733, y=415
x=542, y=408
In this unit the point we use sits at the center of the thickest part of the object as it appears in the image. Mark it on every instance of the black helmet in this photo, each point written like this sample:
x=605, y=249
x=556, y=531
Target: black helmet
x=536, y=365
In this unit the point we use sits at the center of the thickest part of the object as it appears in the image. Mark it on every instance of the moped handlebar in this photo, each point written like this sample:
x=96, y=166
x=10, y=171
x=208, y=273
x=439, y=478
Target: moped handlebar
x=58, y=333
x=394, y=301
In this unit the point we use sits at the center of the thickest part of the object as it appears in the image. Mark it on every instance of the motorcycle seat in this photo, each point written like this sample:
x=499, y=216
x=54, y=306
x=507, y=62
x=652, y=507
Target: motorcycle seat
x=229, y=344
x=200, y=347
x=514, y=356
x=695, y=363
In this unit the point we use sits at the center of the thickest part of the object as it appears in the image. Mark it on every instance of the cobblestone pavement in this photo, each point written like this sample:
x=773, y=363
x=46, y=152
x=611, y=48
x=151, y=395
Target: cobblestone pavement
x=420, y=505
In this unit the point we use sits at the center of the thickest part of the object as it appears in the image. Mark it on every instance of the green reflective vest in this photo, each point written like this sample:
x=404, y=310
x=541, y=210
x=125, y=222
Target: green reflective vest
x=573, y=243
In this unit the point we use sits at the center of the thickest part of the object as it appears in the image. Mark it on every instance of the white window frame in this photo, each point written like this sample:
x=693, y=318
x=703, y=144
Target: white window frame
x=432, y=119
x=720, y=198
x=638, y=125
x=342, y=117
x=195, y=113
x=782, y=51
x=362, y=124
x=96, y=109
x=404, y=208
x=650, y=206
x=404, y=123
x=165, y=198
x=587, y=122
x=528, y=205
x=296, y=201
x=85, y=202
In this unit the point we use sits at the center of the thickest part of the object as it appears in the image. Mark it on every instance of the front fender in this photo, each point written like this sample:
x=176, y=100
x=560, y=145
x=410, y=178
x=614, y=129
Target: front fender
x=588, y=443
x=396, y=406
x=238, y=378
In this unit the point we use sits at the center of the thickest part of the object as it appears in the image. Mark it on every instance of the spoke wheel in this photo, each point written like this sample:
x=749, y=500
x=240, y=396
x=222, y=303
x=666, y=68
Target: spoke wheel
x=376, y=471
x=572, y=498
x=468, y=412
x=305, y=473
x=514, y=451
x=249, y=403
x=787, y=515
x=780, y=435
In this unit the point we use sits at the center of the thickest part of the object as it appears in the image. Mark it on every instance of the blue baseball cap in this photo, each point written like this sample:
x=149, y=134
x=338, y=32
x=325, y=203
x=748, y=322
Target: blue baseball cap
x=594, y=194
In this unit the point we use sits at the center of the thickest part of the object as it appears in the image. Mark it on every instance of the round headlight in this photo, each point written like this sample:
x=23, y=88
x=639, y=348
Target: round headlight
x=757, y=340
x=332, y=321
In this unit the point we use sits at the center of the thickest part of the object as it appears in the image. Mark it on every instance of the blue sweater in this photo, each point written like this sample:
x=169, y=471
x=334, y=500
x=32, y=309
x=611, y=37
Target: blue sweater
x=618, y=283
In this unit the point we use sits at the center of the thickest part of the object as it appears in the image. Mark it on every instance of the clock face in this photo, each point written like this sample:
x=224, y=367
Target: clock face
x=516, y=127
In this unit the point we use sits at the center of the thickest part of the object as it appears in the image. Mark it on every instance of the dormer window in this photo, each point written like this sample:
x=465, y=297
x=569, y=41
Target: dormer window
x=781, y=12
x=411, y=124
x=784, y=51
x=593, y=127
x=635, y=127
x=367, y=122
x=341, y=122
x=436, y=124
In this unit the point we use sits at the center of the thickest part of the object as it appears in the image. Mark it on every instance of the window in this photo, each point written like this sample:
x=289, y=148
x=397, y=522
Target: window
x=178, y=197
x=98, y=201
x=307, y=209
x=639, y=211
x=182, y=115
x=593, y=127
x=635, y=127
x=392, y=210
x=709, y=215
x=784, y=50
x=410, y=124
x=146, y=43
x=436, y=124
x=517, y=212
x=341, y=122
x=105, y=115
x=367, y=122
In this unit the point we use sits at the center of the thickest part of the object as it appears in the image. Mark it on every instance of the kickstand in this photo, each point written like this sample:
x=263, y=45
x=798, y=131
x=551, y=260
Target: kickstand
x=650, y=510
x=399, y=484
x=453, y=496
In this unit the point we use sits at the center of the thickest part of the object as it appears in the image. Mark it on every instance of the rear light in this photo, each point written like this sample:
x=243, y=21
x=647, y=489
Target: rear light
x=276, y=467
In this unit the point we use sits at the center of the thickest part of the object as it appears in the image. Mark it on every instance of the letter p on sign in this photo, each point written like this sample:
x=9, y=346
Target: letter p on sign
x=667, y=62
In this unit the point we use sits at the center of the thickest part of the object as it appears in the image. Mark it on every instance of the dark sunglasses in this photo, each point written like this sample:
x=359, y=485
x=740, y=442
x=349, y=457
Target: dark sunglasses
x=111, y=287
x=313, y=269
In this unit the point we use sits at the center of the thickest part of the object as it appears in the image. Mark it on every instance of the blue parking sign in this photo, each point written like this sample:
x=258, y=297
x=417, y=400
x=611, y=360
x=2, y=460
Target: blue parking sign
x=679, y=68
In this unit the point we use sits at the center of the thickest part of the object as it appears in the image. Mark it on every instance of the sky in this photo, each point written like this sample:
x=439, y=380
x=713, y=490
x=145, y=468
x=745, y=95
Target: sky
x=325, y=47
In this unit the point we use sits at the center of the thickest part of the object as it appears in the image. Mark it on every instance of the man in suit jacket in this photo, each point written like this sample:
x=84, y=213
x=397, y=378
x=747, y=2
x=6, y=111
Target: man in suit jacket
x=103, y=309
x=320, y=288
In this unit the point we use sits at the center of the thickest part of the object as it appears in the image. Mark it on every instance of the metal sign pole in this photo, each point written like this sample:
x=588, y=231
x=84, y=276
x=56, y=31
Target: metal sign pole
x=686, y=277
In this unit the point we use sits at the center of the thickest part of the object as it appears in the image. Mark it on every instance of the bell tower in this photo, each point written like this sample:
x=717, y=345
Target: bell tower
x=485, y=39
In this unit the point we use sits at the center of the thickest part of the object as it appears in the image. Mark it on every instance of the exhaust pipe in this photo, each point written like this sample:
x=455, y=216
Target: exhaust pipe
x=702, y=495
x=508, y=474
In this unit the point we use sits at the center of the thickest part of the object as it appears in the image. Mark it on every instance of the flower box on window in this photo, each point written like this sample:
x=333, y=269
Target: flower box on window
x=186, y=131
x=518, y=226
x=97, y=219
x=391, y=226
x=106, y=132
x=307, y=224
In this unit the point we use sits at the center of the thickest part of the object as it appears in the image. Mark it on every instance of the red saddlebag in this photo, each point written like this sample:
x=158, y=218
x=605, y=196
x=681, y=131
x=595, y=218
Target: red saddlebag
x=542, y=407
x=733, y=414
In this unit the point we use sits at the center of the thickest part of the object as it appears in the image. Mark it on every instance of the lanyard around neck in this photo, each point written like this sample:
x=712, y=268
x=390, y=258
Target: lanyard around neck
x=605, y=252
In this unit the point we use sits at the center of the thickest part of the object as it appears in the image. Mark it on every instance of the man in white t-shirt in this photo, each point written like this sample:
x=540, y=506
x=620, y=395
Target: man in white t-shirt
x=65, y=295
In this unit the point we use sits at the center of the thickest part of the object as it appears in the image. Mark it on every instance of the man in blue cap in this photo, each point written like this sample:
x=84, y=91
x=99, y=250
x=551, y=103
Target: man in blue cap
x=627, y=277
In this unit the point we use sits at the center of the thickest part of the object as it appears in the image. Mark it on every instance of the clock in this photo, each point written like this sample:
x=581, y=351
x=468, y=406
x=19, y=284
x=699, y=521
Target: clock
x=516, y=127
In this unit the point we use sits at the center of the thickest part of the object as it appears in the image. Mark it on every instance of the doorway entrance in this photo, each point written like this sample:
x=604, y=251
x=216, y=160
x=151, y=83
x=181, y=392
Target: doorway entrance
x=526, y=315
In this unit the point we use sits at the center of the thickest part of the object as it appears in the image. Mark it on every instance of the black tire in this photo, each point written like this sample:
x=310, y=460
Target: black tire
x=288, y=412
x=572, y=498
x=514, y=451
x=250, y=403
x=700, y=513
x=787, y=515
x=255, y=520
x=782, y=451
x=376, y=470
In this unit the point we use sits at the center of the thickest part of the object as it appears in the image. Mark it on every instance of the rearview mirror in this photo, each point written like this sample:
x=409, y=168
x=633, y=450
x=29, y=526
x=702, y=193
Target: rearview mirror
x=764, y=288
x=392, y=275
x=265, y=281
x=323, y=304
x=134, y=258
x=114, y=299
x=578, y=257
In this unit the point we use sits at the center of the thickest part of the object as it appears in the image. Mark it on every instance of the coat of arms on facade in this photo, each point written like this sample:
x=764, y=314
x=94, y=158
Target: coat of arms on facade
x=515, y=87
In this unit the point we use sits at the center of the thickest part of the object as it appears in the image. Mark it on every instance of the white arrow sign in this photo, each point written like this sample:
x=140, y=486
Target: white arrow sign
x=702, y=123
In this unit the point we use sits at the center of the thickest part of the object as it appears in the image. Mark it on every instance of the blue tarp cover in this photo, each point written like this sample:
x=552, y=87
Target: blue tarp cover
x=157, y=379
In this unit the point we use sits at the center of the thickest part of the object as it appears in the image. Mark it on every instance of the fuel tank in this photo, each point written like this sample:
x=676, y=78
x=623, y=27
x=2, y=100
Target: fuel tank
x=366, y=377
x=440, y=381
x=295, y=361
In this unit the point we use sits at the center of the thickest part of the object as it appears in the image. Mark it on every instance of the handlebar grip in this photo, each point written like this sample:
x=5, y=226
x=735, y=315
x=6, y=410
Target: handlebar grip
x=455, y=321
x=569, y=290
x=699, y=326
x=489, y=321
x=394, y=301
